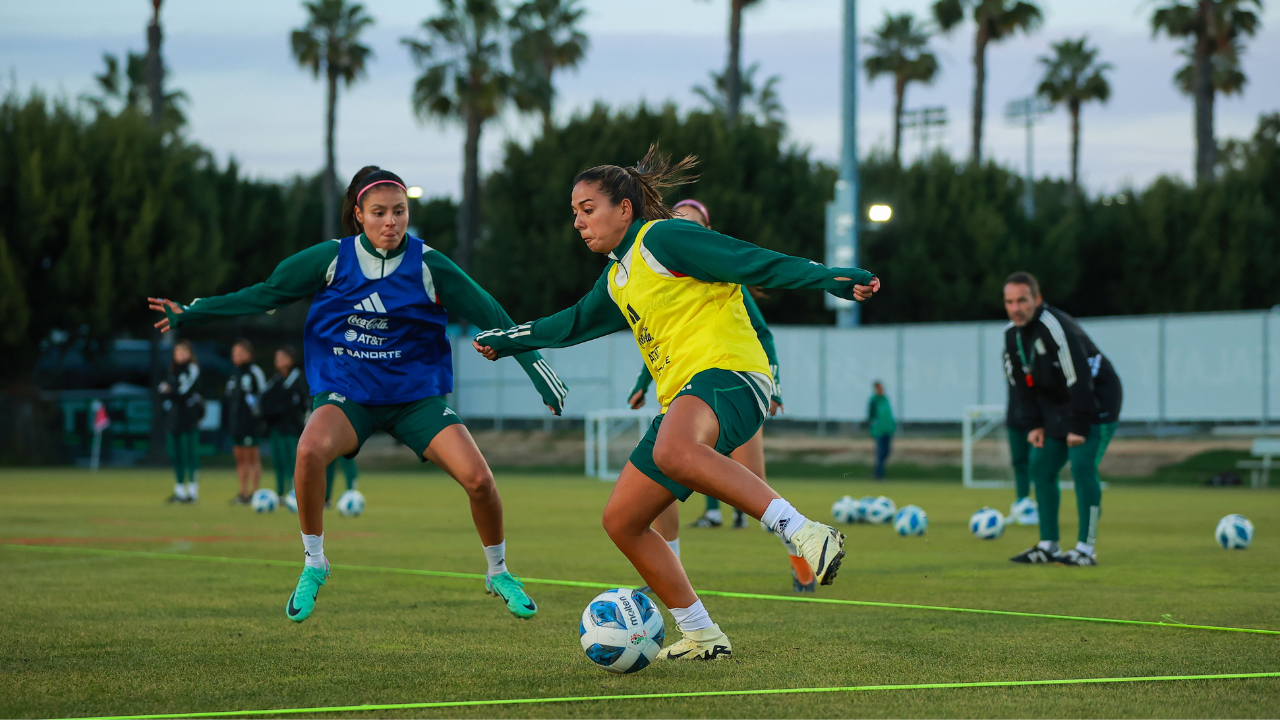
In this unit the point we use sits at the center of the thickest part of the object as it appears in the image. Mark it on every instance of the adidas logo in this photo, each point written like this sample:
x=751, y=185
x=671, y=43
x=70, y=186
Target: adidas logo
x=373, y=303
x=449, y=411
x=337, y=398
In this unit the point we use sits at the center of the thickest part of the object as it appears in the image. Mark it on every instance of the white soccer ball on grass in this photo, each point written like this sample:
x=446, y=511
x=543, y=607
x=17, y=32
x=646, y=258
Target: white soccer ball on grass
x=351, y=504
x=911, y=520
x=621, y=630
x=1234, y=532
x=879, y=510
x=847, y=510
x=987, y=524
x=1025, y=511
x=264, y=501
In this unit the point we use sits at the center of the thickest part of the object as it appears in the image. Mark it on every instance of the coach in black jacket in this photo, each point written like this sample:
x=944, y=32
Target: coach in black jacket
x=1066, y=390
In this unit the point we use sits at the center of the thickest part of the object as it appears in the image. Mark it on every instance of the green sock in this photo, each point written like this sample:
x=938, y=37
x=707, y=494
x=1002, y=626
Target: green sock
x=1020, y=455
x=350, y=471
x=1046, y=463
x=189, y=445
x=712, y=503
x=173, y=446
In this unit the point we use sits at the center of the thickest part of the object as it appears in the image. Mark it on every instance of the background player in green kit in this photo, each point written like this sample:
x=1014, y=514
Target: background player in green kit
x=377, y=357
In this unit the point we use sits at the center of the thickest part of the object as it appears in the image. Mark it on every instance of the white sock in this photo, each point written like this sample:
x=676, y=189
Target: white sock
x=180, y=491
x=497, y=557
x=675, y=546
x=782, y=519
x=193, y=487
x=714, y=515
x=694, y=617
x=1049, y=546
x=313, y=546
x=792, y=550
x=1086, y=549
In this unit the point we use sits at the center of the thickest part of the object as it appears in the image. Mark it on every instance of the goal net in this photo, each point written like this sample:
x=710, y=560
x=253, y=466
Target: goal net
x=985, y=453
x=611, y=436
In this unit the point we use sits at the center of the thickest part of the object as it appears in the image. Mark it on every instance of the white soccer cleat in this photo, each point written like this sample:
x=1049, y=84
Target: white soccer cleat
x=822, y=546
x=706, y=644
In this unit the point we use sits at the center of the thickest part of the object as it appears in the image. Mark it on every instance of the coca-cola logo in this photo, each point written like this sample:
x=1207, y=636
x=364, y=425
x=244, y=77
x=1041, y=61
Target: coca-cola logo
x=376, y=323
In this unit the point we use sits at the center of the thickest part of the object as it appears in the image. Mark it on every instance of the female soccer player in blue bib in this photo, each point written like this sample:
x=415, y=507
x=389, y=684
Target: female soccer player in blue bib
x=377, y=358
x=677, y=287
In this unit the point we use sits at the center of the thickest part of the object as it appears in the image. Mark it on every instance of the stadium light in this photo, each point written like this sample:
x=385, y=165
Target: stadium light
x=415, y=192
x=880, y=213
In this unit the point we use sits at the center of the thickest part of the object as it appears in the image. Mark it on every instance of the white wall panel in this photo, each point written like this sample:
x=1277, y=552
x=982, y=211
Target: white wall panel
x=1213, y=367
x=1133, y=347
x=854, y=360
x=939, y=371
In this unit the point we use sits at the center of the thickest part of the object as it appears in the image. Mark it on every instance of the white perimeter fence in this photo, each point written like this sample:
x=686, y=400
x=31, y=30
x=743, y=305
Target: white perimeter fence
x=1215, y=367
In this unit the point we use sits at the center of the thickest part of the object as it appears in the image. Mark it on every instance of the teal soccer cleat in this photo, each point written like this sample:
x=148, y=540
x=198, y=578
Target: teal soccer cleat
x=303, y=599
x=511, y=591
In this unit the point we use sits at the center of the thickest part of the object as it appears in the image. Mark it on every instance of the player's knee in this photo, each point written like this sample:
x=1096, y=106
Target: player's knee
x=671, y=457
x=478, y=482
x=615, y=522
x=313, y=450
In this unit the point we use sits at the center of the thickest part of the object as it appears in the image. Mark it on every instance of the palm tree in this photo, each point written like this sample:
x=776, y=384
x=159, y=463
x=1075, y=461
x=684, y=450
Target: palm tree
x=463, y=79
x=1073, y=76
x=996, y=20
x=764, y=101
x=331, y=41
x=547, y=39
x=1213, y=29
x=901, y=49
x=155, y=66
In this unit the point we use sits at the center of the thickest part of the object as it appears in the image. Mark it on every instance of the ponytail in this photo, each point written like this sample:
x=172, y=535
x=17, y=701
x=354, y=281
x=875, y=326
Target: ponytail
x=642, y=184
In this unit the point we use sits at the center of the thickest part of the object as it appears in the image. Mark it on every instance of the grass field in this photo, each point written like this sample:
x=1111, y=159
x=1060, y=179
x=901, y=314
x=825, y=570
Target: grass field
x=117, y=634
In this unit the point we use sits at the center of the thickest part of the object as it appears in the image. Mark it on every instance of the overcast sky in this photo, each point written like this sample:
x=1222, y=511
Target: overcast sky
x=249, y=99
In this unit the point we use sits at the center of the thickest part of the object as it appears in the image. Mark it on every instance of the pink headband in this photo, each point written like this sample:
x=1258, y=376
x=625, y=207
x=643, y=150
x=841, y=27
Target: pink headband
x=378, y=182
x=696, y=205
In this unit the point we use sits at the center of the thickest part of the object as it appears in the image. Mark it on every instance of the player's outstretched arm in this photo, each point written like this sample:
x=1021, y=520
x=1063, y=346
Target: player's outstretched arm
x=462, y=296
x=692, y=250
x=296, y=277
x=593, y=316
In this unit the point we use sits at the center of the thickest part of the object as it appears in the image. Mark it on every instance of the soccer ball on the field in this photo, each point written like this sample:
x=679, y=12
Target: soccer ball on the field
x=351, y=504
x=863, y=504
x=1025, y=512
x=847, y=510
x=987, y=524
x=879, y=510
x=910, y=520
x=264, y=500
x=1234, y=532
x=621, y=630
x=291, y=501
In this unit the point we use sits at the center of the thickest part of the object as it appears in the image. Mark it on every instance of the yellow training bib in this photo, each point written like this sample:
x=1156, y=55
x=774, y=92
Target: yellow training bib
x=682, y=325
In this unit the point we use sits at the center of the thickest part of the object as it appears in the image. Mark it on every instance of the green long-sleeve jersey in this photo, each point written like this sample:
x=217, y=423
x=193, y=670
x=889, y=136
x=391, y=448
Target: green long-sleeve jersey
x=645, y=378
x=685, y=248
x=304, y=273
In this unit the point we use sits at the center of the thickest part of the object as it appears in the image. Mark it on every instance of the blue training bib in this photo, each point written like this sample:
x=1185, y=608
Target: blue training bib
x=379, y=341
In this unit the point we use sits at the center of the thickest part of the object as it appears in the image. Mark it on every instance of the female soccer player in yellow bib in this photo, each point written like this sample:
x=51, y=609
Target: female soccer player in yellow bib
x=677, y=287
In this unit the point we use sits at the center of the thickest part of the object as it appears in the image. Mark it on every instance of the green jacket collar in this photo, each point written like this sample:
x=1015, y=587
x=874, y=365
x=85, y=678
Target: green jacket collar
x=628, y=240
x=393, y=252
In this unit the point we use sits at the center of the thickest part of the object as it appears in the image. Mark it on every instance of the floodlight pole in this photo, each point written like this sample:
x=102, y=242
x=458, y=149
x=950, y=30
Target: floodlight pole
x=842, y=213
x=1026, y=112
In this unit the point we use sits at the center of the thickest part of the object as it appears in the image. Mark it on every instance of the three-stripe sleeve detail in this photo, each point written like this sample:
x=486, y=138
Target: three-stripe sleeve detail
x=1064, y=352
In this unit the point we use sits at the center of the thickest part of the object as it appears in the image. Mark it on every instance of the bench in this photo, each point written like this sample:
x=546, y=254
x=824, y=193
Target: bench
x=1260, y=470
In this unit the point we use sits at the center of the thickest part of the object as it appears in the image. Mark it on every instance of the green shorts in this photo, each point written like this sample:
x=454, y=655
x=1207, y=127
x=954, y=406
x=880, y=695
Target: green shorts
x=415, y=423
x=739, y=401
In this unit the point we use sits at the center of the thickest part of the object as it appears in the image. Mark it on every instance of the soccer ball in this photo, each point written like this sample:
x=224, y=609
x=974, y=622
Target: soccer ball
x=351, y=504
x=880, y=510
x=847, y=510
x=1025, y=512
x=264, y=500
x=910, y=520
x=863, y=504
x=621, y=630
x=1234, y=532
x=987, y=524
x=291, y=501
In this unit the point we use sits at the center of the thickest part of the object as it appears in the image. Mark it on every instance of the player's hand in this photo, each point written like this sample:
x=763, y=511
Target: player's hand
x=636, y=401
x=863, y=292
x=159, y=305
x=488, y=352
x=775, y=407
x=1074, y=440
x=1036, y=438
